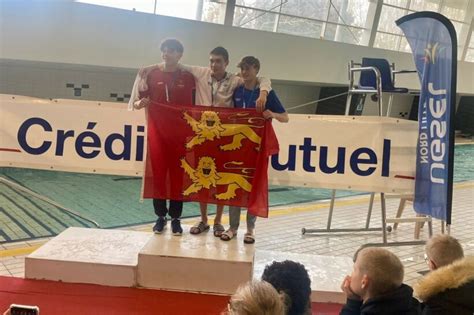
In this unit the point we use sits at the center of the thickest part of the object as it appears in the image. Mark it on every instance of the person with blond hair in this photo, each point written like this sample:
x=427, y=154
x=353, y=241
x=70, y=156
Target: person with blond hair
x=256, y=298
x=376, y=285
x=449, y=287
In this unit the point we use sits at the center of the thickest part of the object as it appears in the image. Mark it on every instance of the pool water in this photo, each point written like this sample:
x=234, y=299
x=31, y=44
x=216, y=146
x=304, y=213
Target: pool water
x=113, y=201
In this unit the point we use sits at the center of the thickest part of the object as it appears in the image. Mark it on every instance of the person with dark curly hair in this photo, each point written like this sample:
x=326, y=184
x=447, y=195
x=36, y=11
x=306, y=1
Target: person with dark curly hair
x=291, y=278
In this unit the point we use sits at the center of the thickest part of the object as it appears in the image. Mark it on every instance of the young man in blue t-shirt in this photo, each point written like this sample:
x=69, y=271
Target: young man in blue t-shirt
x=245, y=96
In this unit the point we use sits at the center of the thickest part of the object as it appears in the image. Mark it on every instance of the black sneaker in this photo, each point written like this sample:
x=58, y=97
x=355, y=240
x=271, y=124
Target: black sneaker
x=176, y=228
x=159, y=225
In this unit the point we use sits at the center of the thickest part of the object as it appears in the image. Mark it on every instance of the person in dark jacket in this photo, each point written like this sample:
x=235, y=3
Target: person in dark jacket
x=449, y=287
x=376, y=286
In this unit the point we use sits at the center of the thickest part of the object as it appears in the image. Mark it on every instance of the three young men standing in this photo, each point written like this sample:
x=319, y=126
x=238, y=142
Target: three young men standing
x=173, y=83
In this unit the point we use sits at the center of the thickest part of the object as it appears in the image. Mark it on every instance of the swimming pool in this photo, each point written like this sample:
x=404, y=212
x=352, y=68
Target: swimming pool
x=113, y=201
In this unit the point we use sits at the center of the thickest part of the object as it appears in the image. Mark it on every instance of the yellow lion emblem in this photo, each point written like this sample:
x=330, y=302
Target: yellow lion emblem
x=207, y=176
x=209, y=127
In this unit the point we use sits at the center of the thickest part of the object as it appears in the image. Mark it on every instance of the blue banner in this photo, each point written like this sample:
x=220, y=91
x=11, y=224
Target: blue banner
x=432, y=39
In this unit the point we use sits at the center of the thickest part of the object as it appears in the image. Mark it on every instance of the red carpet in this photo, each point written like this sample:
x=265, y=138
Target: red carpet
x=57, y=298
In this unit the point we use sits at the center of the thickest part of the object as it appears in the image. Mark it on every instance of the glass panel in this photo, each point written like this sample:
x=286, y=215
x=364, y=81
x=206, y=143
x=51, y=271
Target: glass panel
x=388, y=17
x=398, y=3
x=351, y=12
x=254, y=19
x=213, y=12
x=424, y=5
x=471, y=42
x=460, y=51
x=314, y=9
x=133, y=5
x=455, y=10
x=185, y=9
x=299, y=26
x=470, y=55
x=459, y=27
x=260, y=4
x=386, y=41
x=404, y=46
x=344, y=34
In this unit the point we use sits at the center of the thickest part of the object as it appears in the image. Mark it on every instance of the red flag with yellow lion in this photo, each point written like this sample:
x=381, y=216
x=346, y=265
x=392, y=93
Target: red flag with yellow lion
x=209, y=154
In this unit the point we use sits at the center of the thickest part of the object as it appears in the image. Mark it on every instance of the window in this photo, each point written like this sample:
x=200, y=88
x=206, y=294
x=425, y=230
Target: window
x=424, y=5
x=213, y=11
x=254, y=19
x=390, y=36
x=265, y=5
x=387, y=41
x=338, y=33
x=351, y=13
x=470, y=50
x=316, y=9
x=337, y=20
x=185, y=9
x=347, y=21
x=299, y=26
x=205, y=10
x=388, y=16
x=470, y=54
x=455, y=10
x=147, y=6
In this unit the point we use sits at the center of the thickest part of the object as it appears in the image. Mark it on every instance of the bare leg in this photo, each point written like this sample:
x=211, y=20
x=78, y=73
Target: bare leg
x=219, y=212
x=203, y=208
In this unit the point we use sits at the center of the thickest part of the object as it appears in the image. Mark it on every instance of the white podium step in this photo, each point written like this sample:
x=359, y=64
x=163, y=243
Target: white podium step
x=193, y=263
x=326, y=272
x=81, y=255
x=196, y=263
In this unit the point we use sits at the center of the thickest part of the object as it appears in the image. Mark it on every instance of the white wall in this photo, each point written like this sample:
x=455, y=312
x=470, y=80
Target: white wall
x=68, y=32
x=50, y=80
x=292, y=95
x=401, y=106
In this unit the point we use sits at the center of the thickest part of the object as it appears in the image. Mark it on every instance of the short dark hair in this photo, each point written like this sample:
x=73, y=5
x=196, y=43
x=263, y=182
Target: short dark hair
x=292, y=279
x=173, y=44
x=249, y=61
x=220, y=51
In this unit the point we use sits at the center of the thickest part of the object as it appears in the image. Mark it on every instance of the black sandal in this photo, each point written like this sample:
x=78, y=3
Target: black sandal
x=218, y=229
x=228, y=235
x=249, y=238
x=198, y=228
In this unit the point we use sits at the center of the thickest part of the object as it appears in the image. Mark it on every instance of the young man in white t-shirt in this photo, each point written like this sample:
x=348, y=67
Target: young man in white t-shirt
x=215, y=87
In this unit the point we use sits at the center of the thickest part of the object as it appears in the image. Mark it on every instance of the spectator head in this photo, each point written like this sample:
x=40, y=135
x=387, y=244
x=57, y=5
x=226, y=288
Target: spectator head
x=442, y=250
x=292, y=279
x=256, y=297
x=376, y=272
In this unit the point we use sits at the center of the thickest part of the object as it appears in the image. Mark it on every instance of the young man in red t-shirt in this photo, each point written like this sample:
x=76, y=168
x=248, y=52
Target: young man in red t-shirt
x=169, y=85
